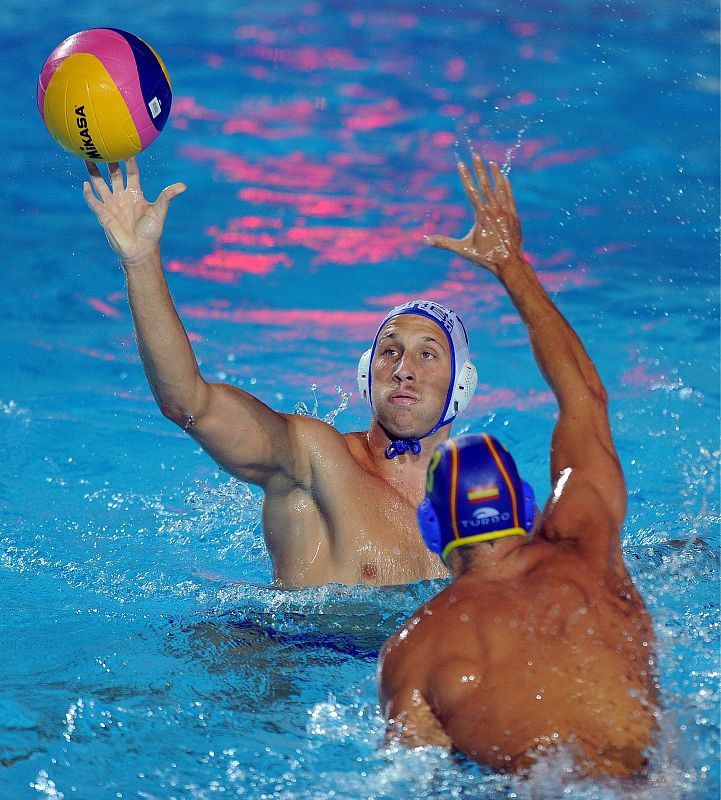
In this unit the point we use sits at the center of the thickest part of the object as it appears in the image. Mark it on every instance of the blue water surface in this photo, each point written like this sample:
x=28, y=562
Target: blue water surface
x=142, y=654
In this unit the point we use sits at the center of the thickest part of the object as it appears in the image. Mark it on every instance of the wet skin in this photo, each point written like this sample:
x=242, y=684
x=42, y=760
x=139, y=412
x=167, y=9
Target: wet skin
x=355, y=517
x=335, y=508
x=539, y=642
x=542, y=645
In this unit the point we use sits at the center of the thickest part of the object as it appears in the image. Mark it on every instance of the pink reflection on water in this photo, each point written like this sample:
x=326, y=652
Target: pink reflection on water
x=342, y=245
x=314, y=205
x=443, y=139
x=463, y=289
x=293, y=170
x=378, y=115
x=255, y=222
x=641, y=378
x=380, y=20
x=306, y=58
x=239, y=237
x=451, y=110
x=565, y=157
x=92, y=352
x=224, y=266
x=487, y=399
x=274, y=121
x=213, y=60
x=355, y=90
x=104, y=308
x=525, y=28
x=471, y=291
x=547, y=54
x=657, y=323
x=303, y=323
x=518, y=99
x=258, y=33
x=455, y=69
x=189, y=108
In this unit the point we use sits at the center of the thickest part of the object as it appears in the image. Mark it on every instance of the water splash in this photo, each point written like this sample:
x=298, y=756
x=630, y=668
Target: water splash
x=506, y=166
x=302, y=410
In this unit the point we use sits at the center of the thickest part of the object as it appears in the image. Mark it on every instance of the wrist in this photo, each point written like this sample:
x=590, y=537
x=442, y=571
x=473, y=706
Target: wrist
x=501, y=263
x=144, y=259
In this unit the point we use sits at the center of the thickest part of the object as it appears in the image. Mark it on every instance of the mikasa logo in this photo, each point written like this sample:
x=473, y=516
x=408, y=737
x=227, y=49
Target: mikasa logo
x=487, y=515
x=88, y=145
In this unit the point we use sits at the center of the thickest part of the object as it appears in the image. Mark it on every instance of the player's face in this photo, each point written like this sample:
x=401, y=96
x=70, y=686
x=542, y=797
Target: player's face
x=411, y=373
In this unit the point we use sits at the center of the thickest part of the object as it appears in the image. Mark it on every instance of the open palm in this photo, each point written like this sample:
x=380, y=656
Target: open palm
x=495, y=238
x=132, y=224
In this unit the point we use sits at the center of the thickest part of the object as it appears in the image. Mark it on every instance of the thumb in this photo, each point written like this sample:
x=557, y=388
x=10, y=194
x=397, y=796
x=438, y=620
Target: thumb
x=443, y=242
x=165, y=197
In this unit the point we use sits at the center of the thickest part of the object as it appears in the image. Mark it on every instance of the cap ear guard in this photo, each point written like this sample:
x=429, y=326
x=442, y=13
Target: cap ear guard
x=364, y=366
x=430, y=528
x=464, y=389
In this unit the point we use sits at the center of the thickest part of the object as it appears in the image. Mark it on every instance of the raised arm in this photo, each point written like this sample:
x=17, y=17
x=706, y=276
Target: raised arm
x=589, y=494
x=240, y=432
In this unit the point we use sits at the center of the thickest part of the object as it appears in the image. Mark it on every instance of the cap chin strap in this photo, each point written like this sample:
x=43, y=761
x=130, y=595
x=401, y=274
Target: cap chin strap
x=399, y=446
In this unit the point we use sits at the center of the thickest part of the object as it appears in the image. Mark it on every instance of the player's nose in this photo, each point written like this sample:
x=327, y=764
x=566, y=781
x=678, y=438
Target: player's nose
x=404, y=370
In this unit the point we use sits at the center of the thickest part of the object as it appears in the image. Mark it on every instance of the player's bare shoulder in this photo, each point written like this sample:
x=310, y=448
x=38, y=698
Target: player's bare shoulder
x=315, y=440
x=420, y=633
x=333, y=463
x=415, y=637
x=340, y=456
x=317, y=435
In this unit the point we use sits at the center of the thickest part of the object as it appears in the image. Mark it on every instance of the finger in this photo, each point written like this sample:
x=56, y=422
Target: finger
x=116, y=176
x=133, y=175
x=484, y=180
x=90, y=197
x=165, y=197
x=97, y=180
x=474, y=195
x=503, y=186
x=443, y=242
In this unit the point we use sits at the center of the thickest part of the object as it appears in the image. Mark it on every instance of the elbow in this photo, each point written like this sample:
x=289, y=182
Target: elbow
x=175, y=414
x=596, y=389
x=599, y=393
x=184, y=409
x=180, y=416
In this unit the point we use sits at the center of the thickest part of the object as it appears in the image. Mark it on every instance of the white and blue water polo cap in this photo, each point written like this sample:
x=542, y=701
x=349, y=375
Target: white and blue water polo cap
x=463, y=374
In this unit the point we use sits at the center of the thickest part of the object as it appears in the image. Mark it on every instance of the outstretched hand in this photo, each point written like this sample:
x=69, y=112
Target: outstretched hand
x=132, y=225
x=495, y=238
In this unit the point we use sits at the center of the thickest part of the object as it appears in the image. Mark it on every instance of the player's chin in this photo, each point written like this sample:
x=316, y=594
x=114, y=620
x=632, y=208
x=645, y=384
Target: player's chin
x=405, y=422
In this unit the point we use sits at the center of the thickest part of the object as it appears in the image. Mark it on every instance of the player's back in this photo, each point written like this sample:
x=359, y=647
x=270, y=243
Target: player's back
x=556, y=654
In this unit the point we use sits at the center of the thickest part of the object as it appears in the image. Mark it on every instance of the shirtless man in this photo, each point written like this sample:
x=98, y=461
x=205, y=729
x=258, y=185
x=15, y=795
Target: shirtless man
x=337, y=507
x=541, y=640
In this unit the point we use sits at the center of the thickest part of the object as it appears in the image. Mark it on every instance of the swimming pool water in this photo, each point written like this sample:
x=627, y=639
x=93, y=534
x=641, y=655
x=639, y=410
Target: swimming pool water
x=142, y=655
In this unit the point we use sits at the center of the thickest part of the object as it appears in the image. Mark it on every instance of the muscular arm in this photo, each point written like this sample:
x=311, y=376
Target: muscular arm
x=589, y=497
x=239, y=431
